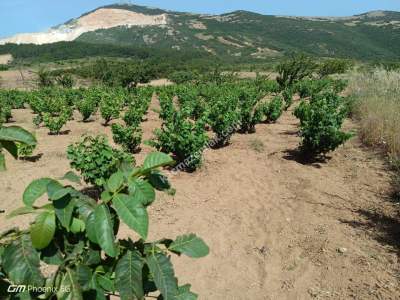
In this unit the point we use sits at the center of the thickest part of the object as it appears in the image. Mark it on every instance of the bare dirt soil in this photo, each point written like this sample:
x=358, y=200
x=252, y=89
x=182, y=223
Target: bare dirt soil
x=5, y=59
x=278, y=227
x=17, y=79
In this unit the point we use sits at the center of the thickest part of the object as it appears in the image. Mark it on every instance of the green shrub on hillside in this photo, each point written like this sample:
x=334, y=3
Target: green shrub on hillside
x=333, y=66
x=180, y=77
x=294, y=69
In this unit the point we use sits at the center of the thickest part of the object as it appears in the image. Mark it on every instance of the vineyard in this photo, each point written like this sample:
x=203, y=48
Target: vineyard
x=99, y=157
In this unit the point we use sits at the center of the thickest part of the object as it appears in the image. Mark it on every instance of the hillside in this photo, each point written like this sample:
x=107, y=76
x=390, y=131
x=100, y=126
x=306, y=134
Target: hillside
x=240, y=34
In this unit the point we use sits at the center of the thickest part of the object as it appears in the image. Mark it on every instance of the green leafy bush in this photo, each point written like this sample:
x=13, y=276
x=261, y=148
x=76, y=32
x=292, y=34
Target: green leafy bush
x=180, y=77
x=181, y=136
x=110, y=106
x=321, y=120
x=129, y=137
x=274, y=109
x=287, y=95
x=25, y=150
x=333, y=66
x=250, y=108
x=138, y=105
x=52, y=101
x=133, y=116
x=14, y=98
x=88, y=102
x=311, y=88
x=37, y=120
x=56, y=122
x=95, y=159
x=223, y=114
x=265, y=85
x=77, y=235
x=5, y=112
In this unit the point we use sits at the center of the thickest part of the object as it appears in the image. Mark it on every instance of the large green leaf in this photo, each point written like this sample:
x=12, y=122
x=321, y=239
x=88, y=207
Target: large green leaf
x=11, y=147
x=156, y=160
x=42, y=231
x=64, y=209
x=162, y=270
x=142, y=191
x=105, y=282
x=91, y=228
x=21, y=262
x=132, y=213
x=55, y=190
x=190, y=245
x=115, y=181
x=17, y=134
x=84, y=275
x=35, y=190
x=69, y=288
x=104, y=230
x=128, y=276
x=85, y=206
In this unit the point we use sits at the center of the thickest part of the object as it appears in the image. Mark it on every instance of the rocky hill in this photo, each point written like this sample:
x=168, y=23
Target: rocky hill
x=374, y=35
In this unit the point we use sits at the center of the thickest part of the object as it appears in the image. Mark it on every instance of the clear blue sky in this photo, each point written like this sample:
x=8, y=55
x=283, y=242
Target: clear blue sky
x=36, y=15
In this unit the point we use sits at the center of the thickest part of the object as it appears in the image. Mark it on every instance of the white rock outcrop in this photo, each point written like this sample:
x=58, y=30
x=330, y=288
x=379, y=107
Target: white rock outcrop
x=103, y=18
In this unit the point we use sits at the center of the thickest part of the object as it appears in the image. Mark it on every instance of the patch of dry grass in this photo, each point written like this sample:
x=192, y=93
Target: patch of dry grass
x=377, y=107
x=257, y=145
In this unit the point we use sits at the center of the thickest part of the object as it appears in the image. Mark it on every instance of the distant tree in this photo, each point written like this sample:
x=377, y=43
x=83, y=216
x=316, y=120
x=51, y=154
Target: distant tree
x=294, y=69
x=45, y=78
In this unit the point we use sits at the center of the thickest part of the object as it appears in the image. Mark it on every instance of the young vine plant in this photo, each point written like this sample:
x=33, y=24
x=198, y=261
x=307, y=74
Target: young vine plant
x=77, y=235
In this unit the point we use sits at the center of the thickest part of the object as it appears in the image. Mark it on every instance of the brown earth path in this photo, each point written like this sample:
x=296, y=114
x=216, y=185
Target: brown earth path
x=277, y=228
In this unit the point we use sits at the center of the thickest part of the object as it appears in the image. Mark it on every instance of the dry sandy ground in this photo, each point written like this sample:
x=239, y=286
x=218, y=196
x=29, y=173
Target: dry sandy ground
x=17, y=79
x=5, y=59
x=278, y=228
x=26, y=79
